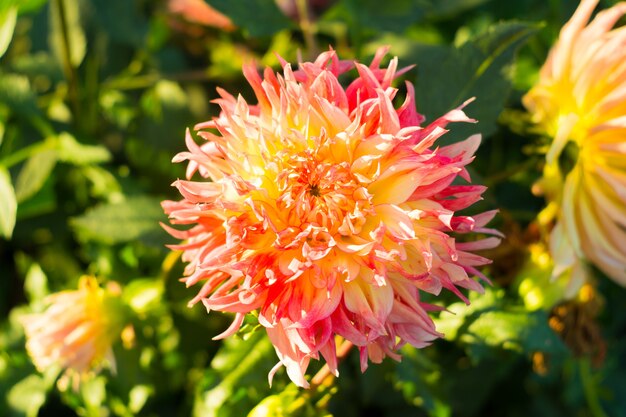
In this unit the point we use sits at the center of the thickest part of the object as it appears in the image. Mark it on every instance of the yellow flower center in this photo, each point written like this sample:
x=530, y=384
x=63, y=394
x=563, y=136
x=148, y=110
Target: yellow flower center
x=320, y=193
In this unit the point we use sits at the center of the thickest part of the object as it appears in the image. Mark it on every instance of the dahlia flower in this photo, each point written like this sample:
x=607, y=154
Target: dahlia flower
x=76, y=331
x=580, y=99
x=328, y=211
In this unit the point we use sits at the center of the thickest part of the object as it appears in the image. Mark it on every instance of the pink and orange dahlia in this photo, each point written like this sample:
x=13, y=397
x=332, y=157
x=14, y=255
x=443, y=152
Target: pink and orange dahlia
x=329, y=211
x=76, y=331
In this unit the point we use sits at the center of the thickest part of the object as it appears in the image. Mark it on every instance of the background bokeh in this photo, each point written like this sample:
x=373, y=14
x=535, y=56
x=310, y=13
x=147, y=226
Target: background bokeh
x=95, y=96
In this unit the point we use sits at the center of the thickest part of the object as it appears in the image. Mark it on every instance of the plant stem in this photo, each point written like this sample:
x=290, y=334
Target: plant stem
x=68, y=67
x=26, y=152
x=149, y=80
x=135, y=83
x=591, y=394
x=43, y=127
x=510, y=172
x=307, y=27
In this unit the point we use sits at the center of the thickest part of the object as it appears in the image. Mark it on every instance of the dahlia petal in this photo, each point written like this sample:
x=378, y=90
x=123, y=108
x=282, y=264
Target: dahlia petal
x=379, y=55
x=611, y=124
x=251, y=74
x=615, y=179
x=483, y=218
x=329, y=352
x=317, y=306
x=396, y=220
x=471, y=259
x=482, y=244
x=372, y=305
x=294, y=360
x=615, y=210
x=442, y=184
x=560, y=55
x=456, y=115
x=376, y=353
x=347, y=266
x=396, y=189
x=570, y=191
x=604, y=246
x=355, y=245
x=363, y=358
x=232, y=329
x=389, y=121
x=561, y=138
x=422, y=329
x=561, y=250
x=335, y=117
x=346, y=328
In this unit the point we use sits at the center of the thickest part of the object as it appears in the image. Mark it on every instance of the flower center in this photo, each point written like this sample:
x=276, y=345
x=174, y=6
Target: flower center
x=314, y=190
x=319, y=193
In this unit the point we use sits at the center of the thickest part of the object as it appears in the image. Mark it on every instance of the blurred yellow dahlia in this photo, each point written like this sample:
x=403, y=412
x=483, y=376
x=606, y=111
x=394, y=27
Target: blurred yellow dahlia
x=580, y=99
x=328, y=210
x=76, y=331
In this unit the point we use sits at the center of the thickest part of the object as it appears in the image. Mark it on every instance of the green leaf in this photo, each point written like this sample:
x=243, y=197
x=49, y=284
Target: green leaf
x=447, y=8
x=44, y=201
x=103, y=183
x=143, y=295
x=451, y=324
x=17, y=94
x=122, y=21
x=40, y=65
x=8, y=204
x=125, y=221
x=288, y=403
x=227, y=59
x=58, y=111
x=34, y=174
x=4, y=116
x=419, y=378
x=237, y=378
x=138, y=397
x=170, y=94
x=74, y=152
x=69, y=39
x=257, y=17
x=8, y=18
x=479, y=68
x=395, y=16
x=398, y=15
x=36, y=284
x=271, y=406
x=28, y=395
x=94, y=394
x=117, y=108
x=516, y=330
x=491, y=322
x=30, y=6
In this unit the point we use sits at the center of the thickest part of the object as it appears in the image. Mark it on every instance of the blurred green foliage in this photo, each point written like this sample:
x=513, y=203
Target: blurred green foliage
x=95, y=96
